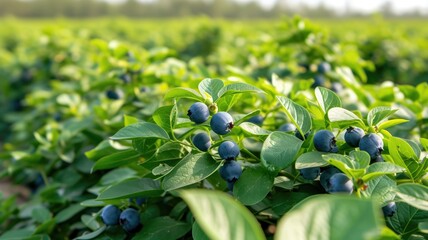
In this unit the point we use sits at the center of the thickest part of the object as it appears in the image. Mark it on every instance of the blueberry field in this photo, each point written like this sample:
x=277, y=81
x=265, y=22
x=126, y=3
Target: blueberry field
x=212, y=129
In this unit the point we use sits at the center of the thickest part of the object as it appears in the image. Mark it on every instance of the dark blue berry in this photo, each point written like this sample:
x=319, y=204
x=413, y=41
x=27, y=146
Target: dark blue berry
x=318, y=81
x=324, y=67
x=139, y=200
x=324, y=141
x=231, y=171
x=130, y=220
x=389, y=209
x=110, y=215
x=113, y=94
x=126, y=78
x=258, y=120
x=299, y=136
x=198, y=112
x=353, y=136
x=310, y=173
x=202, y=141
x=287, y=127
x=221, y=123
x=340, y=183
x=326, y=175
x=378, y=158
x=228, y=150
x=372, y=144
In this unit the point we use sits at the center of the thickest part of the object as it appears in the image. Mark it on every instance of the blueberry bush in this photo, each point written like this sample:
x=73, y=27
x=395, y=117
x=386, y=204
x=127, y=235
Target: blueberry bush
x=232, y=136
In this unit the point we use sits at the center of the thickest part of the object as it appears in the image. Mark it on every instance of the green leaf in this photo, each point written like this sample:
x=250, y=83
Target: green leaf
x=344, y=118
x=165, y=117
x=314, y=218
x=279, y=150
x=120, y=158
x=191, y=169
x=310, y=159
x=381, y=189
x=41, y=214
x=117, y=175
x=222, y=217
x=209, y=88
x=360, y=158
x=163, y=228
x=414, y=194
x=181, y=92
x=297, y=114
x=327, y=99
x=236, y=88
x=92, y=235
x=423, y=227
x=424, y=143
x=253, y=129
x=141, y=130
x=170, y=151
x=378, y=114
x=253, y=185
x=381, y=168
x=390, y=123
x=345, y=164
x=132, y=188
x=404, y=156
x=197, y=232
x=68, y=213
x=90, y=221
x=16, y=234
x=406, y=219
x=239, y=120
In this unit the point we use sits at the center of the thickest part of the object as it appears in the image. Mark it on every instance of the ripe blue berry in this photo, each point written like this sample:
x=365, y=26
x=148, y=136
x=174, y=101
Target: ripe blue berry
x=389, y=209
x=138, y=200
x=310, y=173
x=202, y=141
x=110, y=215
x=324, y=141
x=258, y=120
x=231, y=171
x=318, y=81
x=198, y=112
x=130, y=220
x=126, y=78
x=372, y=144
x=340, y=183
x=353, y=136
x=378, y=158
x=113, y=94
x=287, y=127
x=299, y=136
x=221, y=123
x=324, y=67
x=228, y=150
x=326, y=175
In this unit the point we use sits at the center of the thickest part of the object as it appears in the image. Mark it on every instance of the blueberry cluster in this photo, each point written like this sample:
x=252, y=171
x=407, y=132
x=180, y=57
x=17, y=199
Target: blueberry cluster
x=371, y=143
x=231, y=170
x=221, y=122
x=334, y=181
x=129, y=219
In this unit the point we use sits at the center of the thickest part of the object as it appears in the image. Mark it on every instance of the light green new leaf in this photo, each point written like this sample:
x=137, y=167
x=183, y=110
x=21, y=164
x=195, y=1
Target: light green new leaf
x=327, y=99
x=141, y=130
x=253, y=129
x=328, y=217
x=221, y=217
x=381, y=168
x=209, y=88
x=311, y=159
x=344, y=118
x=297, y=114
x=378, y=114
x=181, y=92
x=414, y=194
x=236, y=88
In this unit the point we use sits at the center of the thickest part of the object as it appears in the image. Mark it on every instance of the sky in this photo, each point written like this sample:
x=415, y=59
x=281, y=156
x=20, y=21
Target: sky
x=365, y=6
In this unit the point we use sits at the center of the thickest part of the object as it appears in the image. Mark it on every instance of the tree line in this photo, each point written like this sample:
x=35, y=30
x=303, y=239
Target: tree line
x=172, y=9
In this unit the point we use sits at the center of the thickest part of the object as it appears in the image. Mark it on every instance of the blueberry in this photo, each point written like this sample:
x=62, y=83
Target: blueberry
x=230, y=171
x=378, y=158
x=258, y=120
x=353, y=136
x=318, y=81
x=324, y=67
x=228, y=150
x=230, y=185
x=126, y=78
x=324, y=141
x=113, y=95
x=299, y=136
x=340, y=183
x=372, y=144
x=221, y=123
x=198, y=112
x=57, y=116
x=310, y=173
x=287, y=127
x=130, y=220
x=336, y=87
x=110, y=215
x=326, y=175
x=389, y=209
x=138, y=200
x=202, y=141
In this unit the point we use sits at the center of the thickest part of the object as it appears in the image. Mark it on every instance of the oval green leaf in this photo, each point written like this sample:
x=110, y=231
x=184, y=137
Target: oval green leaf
x=279, y=150
x=141, y=130
x=253, y=185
